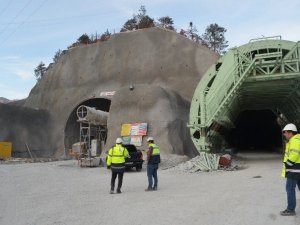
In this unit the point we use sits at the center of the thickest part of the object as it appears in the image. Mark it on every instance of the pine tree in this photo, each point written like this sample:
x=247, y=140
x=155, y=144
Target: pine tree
x=139, y=21
x=214, y=38
x=166, y=22
x=105, y=36
x=40, y=71
x=130, y=24
x=57, y=55
x=84, y=39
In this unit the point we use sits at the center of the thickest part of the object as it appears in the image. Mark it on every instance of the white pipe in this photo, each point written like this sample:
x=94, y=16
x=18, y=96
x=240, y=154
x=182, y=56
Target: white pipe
x=91, y=115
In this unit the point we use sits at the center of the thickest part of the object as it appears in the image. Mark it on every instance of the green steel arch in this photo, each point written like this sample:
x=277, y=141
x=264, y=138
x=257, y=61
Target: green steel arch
x=263, y=74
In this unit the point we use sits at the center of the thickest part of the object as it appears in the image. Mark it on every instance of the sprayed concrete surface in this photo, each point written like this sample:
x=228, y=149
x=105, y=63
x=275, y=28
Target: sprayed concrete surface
x=163, y=67
x=62, y=193
x=25, y=126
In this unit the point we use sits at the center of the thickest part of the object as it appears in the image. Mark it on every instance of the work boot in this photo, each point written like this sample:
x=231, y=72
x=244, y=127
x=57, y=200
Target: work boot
x=287, y=213
x=111, y=192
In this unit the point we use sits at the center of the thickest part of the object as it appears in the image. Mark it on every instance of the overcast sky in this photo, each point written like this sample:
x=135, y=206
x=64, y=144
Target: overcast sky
x=32, y=31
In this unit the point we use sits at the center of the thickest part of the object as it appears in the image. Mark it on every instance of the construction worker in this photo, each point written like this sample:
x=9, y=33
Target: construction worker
x=116, y=162
x=291, y=167
x=153, y=158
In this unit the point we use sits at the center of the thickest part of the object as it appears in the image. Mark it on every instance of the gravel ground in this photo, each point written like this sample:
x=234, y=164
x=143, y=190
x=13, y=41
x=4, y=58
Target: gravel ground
x=62, y=193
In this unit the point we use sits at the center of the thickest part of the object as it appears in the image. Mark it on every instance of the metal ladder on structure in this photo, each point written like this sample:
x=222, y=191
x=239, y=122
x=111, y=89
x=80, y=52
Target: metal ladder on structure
x=85, y=138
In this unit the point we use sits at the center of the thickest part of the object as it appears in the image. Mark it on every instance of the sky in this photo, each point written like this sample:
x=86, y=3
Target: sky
x=32, y=31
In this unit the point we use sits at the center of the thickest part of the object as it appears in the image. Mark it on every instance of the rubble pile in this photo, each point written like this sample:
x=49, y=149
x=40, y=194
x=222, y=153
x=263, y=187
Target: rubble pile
x=206, y=162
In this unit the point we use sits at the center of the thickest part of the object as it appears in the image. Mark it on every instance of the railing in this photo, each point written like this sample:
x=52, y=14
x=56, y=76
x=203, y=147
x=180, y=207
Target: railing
x=231, y=91
x=246, y=63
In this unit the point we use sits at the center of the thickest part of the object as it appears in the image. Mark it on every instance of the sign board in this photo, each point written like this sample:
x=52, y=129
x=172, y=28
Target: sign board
x=133, y=133
x=125, y=129
x=138, y=129
x=107, y=93
x=136, y=140
x=126, y=140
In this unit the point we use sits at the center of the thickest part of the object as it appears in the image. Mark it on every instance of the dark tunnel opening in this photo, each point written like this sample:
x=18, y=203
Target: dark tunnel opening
x=72, y=129
x=256, y=131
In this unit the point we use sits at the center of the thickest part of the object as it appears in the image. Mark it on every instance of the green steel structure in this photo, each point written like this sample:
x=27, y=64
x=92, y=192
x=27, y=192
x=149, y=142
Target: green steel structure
x=261, y=75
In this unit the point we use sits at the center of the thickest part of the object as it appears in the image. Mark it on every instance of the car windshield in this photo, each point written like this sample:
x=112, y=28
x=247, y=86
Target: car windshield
x=130, y=148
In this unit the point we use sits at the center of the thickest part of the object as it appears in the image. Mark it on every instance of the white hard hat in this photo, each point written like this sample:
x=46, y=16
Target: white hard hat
x=119, y=140
x=150, y=139
x=291, y=127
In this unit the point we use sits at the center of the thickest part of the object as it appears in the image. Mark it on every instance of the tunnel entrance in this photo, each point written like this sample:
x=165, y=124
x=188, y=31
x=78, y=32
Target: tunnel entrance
x=263, y=74
x=72, y=128
x=256, y=131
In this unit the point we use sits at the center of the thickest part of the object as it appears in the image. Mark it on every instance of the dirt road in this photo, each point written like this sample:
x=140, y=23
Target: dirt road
x=62, y=193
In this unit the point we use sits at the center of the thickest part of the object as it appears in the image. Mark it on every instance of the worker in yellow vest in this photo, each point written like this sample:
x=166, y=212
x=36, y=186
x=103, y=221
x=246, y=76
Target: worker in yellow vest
x=291, y=167
x=153, y=158
x=116, y=162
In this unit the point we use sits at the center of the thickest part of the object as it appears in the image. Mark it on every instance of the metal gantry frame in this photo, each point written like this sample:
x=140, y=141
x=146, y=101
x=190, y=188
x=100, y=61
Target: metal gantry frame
x=92, y=124
x=87, y=130
x=263, y=74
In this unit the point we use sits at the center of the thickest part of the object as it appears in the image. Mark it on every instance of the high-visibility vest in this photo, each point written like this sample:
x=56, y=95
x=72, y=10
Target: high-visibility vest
x=116, y=156
x=291, y=160
x=155, y=157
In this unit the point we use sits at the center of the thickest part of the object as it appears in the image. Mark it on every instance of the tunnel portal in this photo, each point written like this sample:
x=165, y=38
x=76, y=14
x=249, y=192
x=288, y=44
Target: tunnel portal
x=72, y=128
x=246, y=97
x=256, y=130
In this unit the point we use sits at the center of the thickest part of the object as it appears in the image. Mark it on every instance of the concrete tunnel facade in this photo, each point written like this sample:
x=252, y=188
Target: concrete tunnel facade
x=163, y=68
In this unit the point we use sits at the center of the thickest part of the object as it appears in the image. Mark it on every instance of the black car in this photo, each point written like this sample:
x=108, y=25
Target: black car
x=136, y=157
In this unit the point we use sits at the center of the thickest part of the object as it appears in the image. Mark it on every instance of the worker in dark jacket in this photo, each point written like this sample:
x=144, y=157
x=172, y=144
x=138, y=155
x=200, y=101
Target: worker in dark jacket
x=153, y=158
x=116, y=162
x=291, y=167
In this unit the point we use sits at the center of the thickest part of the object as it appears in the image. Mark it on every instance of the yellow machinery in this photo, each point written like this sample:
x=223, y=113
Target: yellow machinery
x=5, y=150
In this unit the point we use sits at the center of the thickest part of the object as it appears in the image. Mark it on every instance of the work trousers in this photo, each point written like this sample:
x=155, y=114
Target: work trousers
x=152, y=175
x=114, y=175
x=291, y=193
